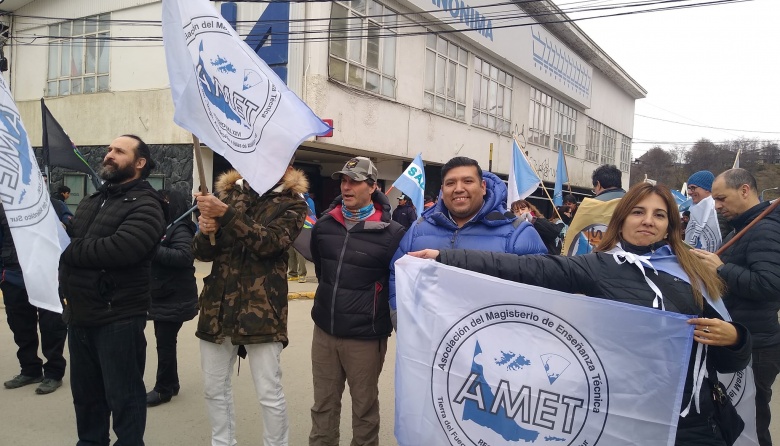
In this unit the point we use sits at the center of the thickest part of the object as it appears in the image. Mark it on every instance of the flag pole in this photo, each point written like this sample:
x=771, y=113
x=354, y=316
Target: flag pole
x=566, y=167
x=555, y=208
x=201, y=175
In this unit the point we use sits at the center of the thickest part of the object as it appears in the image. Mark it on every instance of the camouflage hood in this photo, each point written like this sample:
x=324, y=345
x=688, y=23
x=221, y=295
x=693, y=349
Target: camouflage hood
x=294, y=181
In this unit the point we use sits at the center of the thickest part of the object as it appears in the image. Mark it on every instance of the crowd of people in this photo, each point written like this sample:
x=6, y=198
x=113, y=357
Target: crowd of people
x=131, y=260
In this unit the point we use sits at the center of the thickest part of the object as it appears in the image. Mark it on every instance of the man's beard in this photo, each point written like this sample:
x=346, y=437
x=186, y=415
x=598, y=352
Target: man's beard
x=115, y=174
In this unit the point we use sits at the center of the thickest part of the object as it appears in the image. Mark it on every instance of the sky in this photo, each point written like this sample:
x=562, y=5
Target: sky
x=716, y=66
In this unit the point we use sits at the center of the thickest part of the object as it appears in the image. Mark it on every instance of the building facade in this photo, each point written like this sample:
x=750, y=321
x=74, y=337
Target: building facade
x=396, y=77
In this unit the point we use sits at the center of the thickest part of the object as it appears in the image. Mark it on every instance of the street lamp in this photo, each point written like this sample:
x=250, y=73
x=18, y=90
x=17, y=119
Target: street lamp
x=771, y=188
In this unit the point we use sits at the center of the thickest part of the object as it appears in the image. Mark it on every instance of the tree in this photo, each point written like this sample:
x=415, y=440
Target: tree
x=706, y=155
x=657, y=164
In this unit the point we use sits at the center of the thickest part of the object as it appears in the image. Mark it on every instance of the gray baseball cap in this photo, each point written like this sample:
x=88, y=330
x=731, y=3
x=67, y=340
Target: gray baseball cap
x=359, y=168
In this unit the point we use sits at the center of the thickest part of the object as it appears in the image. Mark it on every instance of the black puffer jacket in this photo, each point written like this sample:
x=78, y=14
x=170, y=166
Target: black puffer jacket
x=599, y=275
x=752, y=273
x=174, y=290
x=105, y=271
x=353, y=269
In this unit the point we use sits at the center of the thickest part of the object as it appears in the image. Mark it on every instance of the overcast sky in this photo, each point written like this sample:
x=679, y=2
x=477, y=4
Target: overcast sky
x=716, y=66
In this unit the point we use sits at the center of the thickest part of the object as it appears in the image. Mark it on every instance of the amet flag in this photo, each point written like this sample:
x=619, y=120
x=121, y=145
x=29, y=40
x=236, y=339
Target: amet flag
x=28, y=209
x=588, y=227
x=228, y=97
x=484, y=361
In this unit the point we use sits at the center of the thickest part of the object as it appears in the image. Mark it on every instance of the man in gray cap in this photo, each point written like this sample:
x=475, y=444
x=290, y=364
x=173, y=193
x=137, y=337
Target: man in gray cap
x=351, y=247
x=404, y=213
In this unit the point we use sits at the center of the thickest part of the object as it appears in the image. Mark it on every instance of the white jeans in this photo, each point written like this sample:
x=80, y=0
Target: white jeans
x=217, y=361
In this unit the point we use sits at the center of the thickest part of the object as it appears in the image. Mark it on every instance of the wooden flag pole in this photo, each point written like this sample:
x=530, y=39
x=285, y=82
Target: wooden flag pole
x=201, y=175
x=555, y=208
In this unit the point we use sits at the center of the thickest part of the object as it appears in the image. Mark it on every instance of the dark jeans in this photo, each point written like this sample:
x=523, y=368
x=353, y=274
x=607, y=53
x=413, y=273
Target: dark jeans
x=167, y=370
x=24, y=320
x=766, y=365
x=107, y=379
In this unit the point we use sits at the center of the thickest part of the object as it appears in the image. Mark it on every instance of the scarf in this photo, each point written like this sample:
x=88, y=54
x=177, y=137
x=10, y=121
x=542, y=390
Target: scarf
x=659, y=257
x=359, y=215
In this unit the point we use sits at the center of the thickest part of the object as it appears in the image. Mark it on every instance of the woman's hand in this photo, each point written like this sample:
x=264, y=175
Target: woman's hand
x=425, y=254
x=715, y=332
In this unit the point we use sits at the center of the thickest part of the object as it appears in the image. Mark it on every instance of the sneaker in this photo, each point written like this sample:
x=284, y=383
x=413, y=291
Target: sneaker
x=48, y=385
x=291, y=278
x=21, y=381
x=154, y=398
x=302, y=279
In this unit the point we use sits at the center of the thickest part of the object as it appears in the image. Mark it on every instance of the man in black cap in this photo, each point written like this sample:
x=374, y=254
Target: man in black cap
x=404, y=213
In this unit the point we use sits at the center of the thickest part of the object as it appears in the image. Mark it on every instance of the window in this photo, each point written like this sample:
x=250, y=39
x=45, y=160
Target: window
x=445, y=77
x=625, y=153
x=362, y=46
x=539, y=115
x=608, y=139
x=565, y=128
x=492, y=97
x=594, y=136
x=78, y=56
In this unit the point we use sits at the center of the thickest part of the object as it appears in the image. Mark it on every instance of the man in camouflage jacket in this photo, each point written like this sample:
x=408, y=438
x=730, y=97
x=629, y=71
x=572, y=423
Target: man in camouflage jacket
x=244, y=299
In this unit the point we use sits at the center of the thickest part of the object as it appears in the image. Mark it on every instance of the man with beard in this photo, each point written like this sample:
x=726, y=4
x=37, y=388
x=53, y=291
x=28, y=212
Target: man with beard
x=104, y=287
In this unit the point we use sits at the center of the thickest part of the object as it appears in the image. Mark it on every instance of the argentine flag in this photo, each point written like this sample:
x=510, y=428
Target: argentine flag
x=560, y=178
x=523, y=180
x=412, y=182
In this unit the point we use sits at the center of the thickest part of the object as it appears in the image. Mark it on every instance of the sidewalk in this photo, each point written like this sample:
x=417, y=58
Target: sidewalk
x=295, y=290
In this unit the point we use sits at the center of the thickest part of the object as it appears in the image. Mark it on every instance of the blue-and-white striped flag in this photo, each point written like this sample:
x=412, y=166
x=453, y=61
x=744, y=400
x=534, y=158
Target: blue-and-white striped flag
x=523, y=180
x=412, y=183
x=28, y=208
x=228, y=97
x=560, y=177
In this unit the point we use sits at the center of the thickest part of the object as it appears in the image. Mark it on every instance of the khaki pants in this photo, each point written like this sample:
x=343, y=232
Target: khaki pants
x=359, y=362
x=297, y=263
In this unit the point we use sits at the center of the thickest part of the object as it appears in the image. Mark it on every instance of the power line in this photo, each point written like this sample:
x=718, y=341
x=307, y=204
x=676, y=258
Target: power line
x=704, y=126
x=357, y=32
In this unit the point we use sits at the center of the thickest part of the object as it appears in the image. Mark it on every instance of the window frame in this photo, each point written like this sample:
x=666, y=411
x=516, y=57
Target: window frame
x=592, y=147
x=565, y=116
x=91, y=72
x=453, y=103
x=484, y=76
x=540, y=114
x=608, y=144
x=625, y=153
x=355, y=37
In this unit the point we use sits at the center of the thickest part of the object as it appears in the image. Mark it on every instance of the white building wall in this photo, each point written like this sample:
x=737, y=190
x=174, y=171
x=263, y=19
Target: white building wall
x=390, y=130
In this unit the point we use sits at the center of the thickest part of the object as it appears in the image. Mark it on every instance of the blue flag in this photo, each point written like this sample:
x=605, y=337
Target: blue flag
x=523, y=180
x=412, y=182
x=560, y=178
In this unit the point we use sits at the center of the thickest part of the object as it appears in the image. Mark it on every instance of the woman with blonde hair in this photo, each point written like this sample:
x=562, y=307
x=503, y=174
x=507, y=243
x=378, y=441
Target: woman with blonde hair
x=643, y=261
x=549, y=232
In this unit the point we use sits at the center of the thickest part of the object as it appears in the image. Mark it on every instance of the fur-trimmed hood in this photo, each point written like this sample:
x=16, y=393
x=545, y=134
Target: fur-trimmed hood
x=294, y=181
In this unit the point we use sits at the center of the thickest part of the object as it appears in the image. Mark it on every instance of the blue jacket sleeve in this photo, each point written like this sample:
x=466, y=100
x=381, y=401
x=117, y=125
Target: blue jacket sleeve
x=403, y=248
x=525, y=240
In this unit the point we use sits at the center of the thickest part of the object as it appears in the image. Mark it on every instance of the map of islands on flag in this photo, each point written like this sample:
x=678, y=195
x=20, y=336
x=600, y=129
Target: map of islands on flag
x=483, y=361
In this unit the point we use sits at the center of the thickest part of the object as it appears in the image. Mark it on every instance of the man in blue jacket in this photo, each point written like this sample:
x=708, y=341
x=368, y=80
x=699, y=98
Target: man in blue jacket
x=469, y=215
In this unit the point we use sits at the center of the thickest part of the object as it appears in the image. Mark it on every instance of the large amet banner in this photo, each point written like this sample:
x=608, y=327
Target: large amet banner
x=484, y=361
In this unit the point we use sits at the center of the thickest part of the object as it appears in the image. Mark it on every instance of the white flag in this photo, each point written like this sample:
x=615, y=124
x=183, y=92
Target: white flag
x=481, y=360
x=703, y=231
x=228, y=97
x=28, y=208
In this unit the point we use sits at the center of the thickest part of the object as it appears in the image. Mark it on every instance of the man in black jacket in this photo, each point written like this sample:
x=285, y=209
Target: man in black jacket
x=751, y=269
x=351, y=245
x=404, y=213
x=104, y=286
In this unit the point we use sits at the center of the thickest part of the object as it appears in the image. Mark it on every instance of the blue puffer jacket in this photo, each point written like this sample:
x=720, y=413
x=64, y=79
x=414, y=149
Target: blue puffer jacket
x=492, y=229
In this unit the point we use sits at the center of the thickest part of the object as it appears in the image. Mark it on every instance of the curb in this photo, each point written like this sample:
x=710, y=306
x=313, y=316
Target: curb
x=302, y=295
